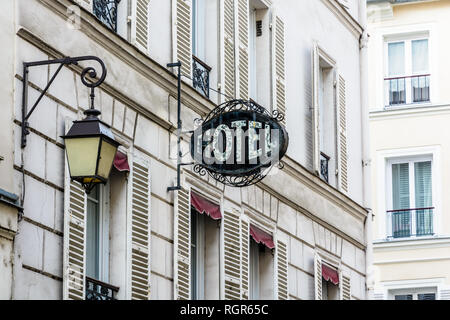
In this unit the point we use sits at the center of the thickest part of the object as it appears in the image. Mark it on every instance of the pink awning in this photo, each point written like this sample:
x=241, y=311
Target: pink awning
x=261, y=237
x=121, y=162
x=330, y=274
x=203, y=205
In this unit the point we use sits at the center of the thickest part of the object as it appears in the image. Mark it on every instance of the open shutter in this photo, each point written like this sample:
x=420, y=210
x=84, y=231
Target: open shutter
x=228, y=50
x=86, y=4
x=232, y=256
x=74, y=255
x=182, y=245
x=245, y=257
x=183, y=35
x=243, y=49
x=278, y=66
x=140, y=232
x=315, y=109
x=281, y=274
x=317, y=277
x=342, y=134
x=345, y=287
x=140, y=24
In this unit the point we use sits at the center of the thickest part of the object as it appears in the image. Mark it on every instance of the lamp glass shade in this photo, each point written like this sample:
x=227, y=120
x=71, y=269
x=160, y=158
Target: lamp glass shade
x=82, y=154
x=107, y=154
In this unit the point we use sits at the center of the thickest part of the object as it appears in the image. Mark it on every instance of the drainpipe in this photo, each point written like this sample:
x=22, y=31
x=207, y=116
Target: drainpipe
x=364, y=66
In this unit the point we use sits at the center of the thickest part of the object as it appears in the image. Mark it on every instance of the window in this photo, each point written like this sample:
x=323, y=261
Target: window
x=330, y=291
x=205, y=241
x=106, y=12
x=407, y=77
x=261, y=272
x=411, y=198
x=414, y=294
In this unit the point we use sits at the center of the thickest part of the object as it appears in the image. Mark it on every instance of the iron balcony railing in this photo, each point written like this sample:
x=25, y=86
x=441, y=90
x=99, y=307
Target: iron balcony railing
x=97, y=290
x=106, y=12
x=408, y=89
x=200, y=72
x=405, y=223
x=324, y=160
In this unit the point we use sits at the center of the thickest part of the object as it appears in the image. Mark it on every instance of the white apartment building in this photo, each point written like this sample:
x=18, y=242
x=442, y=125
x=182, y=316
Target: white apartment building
x=301, y=233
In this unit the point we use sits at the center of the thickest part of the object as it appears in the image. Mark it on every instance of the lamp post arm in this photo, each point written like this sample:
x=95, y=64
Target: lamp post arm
x=88, y=75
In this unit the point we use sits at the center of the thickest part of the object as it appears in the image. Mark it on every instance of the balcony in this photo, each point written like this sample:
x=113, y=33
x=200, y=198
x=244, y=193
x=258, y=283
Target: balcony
x=106, y=12
x=407, y=223
x=97, y=290
x=324, y=160
x=200, y=72
x=408, y=89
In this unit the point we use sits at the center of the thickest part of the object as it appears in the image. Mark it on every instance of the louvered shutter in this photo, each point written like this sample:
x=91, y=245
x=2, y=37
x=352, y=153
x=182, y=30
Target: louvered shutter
x=86, y=4
x=342, y=127
x=315, y=109
x=140, y=232
x=278, y=66
x=243, y=49
x=245, y=257
x=345, y=288
x=281, y=274
x=183, y=35
x=378, y=295
x=228, y=50
x=74, y=252
x=444, y=293
x=140, y=24
x=182, y=245
x=317, y=277
x=232, y=256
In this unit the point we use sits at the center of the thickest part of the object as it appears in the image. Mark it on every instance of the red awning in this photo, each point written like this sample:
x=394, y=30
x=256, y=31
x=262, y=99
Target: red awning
x=121, y=162
x=330, y=274
x=203, y=205
x=261, y=237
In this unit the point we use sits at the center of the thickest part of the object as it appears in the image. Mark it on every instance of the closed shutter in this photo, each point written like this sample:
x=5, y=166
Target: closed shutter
x=317, y=277
x=278, y=66
x=243, y=49
x=342, y=154
x=378, y=295
x=183, y=35
x=345, y=287
x=182, y=245
x=228, y=49
x=245, y=257
x=140, y=232
x=444, y=294
x=315, y=109
x=140, y=24
x=281, y=274
x=86, y=4
x=232, y=256
x=74, y=252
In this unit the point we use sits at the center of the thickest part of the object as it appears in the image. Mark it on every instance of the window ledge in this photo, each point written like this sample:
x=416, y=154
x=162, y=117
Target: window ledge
x=417, y=242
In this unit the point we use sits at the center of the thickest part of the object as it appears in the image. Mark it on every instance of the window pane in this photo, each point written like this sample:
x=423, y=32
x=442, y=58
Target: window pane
x=93, y=235
x=396, y=52
x=423, y=197
x=400, y=186
x=426, y=296
x=419, y=56
x=404, y=297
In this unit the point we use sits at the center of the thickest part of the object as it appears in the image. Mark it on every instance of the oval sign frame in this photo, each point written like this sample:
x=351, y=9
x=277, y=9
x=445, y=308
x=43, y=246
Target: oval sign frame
x=240, y=174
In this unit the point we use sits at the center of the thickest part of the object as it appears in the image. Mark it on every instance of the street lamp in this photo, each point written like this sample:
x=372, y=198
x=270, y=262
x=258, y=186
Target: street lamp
x=90, y=143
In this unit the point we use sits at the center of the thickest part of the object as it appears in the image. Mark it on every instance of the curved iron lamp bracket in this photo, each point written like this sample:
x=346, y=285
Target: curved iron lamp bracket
x=88, y=78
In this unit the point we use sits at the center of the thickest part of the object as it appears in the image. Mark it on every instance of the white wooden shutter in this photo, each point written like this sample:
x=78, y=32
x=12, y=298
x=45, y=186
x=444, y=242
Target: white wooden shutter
x=182, y=17
x=345, y=287
x=281, y=274
x=378, y=295
x=140, y=24
x=245, y=257
x=140, y=232
x=342, y=137
x=242, y=53
x=232, y=256
x=278, y=66
x=182, y=245
x=315, y=109
x=86, y=4
x=317, y=277
x=228, y=50
x=74, y=252
x=444, y=293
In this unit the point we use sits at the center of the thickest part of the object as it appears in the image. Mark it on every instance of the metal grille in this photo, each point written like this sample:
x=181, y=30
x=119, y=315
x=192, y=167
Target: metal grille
x=97, y=290
x=106, y=12
x=200, y=79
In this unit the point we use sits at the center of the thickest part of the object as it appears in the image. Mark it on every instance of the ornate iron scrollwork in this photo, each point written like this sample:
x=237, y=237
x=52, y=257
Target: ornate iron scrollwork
x=200, y=80
x=324, y=159
x=97, y=290
x=106, y=12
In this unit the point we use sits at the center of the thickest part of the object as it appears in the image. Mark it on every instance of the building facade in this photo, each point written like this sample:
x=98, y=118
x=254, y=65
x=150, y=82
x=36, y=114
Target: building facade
x=301, y=233
x=408, y=114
